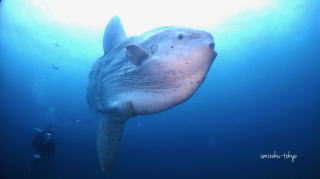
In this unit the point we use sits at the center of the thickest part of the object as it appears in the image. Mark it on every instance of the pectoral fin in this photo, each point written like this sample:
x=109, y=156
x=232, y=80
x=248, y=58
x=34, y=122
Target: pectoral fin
x=136, y=54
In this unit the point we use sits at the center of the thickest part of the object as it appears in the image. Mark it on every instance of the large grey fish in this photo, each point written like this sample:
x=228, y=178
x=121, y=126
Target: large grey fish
x=144, y=74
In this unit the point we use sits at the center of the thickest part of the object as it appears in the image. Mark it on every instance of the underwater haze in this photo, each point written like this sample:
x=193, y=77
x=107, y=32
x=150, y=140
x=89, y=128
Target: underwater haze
x=256, y=115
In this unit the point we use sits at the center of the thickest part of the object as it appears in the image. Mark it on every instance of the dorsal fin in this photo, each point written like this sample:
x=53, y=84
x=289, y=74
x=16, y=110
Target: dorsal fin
x=136, y=54
x=113, y=34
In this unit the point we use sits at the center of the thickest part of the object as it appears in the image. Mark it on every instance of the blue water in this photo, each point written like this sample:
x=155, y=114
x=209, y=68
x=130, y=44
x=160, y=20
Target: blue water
x=261, y=95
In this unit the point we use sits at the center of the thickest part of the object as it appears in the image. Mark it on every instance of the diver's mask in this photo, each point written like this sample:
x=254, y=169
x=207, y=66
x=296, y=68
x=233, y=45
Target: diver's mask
x=48, y=136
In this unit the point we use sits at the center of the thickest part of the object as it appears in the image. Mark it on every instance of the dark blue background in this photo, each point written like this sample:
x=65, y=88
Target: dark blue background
x=261, y=94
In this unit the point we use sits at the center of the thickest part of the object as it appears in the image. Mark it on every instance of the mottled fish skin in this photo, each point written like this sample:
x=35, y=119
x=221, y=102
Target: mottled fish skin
x=170, y=71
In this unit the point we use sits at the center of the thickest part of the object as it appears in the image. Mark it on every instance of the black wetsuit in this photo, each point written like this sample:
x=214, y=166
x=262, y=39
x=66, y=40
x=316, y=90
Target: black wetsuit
x=43, y=146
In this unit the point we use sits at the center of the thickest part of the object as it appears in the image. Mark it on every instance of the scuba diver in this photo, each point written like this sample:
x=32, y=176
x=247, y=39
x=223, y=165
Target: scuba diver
x=43, y=144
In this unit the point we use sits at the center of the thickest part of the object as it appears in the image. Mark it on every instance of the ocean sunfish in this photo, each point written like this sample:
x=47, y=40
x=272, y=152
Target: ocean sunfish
x=144, y=74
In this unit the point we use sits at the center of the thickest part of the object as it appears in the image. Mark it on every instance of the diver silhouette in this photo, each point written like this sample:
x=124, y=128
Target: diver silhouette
x=44, y=146
x=43, y=143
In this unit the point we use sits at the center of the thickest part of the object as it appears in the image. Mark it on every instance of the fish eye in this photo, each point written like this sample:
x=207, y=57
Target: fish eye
x=180, y=36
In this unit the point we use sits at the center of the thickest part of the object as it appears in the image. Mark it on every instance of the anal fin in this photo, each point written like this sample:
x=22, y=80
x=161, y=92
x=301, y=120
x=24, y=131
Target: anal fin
x=108, y=141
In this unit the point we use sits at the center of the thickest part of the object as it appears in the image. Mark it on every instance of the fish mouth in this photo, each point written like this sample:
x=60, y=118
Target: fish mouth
x=215, y=54
x=210, y=42
x=212, y=47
